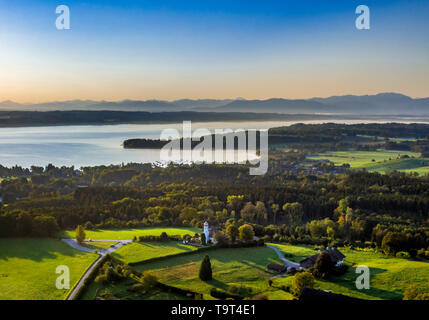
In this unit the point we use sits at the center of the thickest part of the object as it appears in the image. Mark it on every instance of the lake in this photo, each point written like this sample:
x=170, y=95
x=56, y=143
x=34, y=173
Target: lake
x=100, y=145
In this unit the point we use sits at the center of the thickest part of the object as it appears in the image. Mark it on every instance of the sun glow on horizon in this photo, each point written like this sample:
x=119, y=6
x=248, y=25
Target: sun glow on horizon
x=216, y=50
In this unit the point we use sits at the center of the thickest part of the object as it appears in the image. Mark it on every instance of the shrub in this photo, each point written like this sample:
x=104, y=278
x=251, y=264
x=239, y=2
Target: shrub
x=186, y=237
x=300, y=281
x=102, y=279
x=233, y=289
x=423, y=296
x=220, y=238
x=412, y=293
x=423, y=254
x=223, y=295
x=285, y=288
x=135, y=288
x=402, y=254
x=266, y=238
x=241, y=291
x=112, y=275
x=164, y=237
x=149, y=280
x=393, y=242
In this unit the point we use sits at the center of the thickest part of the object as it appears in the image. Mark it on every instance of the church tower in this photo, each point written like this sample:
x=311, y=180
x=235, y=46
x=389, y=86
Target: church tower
x=206, y=230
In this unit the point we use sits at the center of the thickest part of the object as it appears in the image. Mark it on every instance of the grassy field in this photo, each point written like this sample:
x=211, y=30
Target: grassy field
x=409, y=165
x=379, y=161
x=295, y=253
x=246, y=266
x=390, y=139
x=389, y=276
x=98, y=245
x=422, y=171
x=140, y=251
x=127, y=234
x=119, y=291
x=28, y=268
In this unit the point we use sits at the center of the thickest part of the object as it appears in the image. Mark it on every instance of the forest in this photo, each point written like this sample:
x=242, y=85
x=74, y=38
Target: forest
x=328, y=136
x=357, y=208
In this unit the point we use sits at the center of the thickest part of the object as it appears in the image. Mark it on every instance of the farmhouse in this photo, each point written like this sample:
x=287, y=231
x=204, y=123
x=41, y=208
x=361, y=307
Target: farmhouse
x=336, y=256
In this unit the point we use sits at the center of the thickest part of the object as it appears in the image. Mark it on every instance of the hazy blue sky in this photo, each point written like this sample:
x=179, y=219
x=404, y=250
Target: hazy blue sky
x=211, y=49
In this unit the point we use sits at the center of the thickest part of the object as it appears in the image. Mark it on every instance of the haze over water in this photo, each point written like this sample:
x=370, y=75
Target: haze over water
x=102, y=144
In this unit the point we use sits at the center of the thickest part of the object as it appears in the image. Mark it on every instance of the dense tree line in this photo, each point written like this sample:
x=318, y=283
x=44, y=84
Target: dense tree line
x=33, y=118
x=359, y=208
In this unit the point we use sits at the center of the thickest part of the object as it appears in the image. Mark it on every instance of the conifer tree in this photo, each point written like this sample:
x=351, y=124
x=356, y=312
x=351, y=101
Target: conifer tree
x=206, y=269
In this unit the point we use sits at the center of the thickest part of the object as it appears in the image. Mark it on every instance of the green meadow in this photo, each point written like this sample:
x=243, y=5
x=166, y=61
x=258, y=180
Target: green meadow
x=128, y=234
x=422, y=171
x=389, y=276
x=409, y=165
x=28, y=268
x=374, y=138
x=247, y=267
x=98, y=245
x=238, y=267
x=380, y=161
x=295, y=253
x=141, y=251
x=120, y=291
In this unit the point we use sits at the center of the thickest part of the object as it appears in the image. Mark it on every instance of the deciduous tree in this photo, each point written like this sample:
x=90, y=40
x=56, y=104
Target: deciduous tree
x=232, y=232
x=246, y=232
x=300, y=281
x=80, y=234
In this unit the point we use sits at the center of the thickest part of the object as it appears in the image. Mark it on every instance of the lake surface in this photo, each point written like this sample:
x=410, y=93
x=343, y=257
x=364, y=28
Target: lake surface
x=101, y=145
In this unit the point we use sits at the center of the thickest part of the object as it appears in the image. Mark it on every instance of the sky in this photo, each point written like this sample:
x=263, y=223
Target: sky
x=220, y=49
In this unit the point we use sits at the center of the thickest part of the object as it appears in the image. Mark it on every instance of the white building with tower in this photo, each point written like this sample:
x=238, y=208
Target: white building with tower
x=208, y=233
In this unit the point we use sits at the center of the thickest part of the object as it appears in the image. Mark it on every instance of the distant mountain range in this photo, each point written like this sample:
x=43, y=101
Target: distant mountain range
x=379, y=104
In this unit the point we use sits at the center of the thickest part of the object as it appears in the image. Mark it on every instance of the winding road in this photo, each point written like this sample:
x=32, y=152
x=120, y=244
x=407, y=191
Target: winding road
x=286, y=262
x=73, y=243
